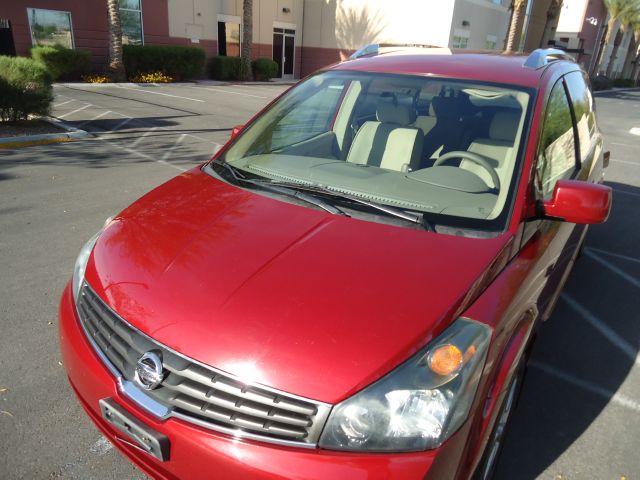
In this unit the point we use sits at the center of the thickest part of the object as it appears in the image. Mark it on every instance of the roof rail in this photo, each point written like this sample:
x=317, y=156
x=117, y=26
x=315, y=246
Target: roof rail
x=542, y=56
x=373, y=49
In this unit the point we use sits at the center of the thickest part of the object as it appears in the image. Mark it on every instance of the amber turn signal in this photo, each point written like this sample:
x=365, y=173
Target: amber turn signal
x=445, y=360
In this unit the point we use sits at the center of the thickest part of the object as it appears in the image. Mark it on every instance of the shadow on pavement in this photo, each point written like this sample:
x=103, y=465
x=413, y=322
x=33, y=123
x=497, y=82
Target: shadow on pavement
x=575, y=369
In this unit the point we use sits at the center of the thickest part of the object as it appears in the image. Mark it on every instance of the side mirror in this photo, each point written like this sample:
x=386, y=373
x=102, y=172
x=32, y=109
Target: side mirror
x=580, y=202
x=236, y=130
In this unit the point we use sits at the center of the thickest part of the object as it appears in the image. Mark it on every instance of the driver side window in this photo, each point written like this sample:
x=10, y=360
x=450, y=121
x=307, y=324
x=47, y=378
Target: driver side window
x=557, y=150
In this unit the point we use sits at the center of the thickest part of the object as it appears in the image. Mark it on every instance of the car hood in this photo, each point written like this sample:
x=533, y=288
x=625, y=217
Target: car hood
x=283, y=295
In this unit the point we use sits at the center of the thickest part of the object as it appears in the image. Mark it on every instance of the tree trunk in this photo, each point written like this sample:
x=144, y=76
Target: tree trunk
x=612, y=30
x=636, y=70
x=247, y=38
x=549, y=28
x=515, y=28
x=627, y=67
x=614, y=53
x=116, y=66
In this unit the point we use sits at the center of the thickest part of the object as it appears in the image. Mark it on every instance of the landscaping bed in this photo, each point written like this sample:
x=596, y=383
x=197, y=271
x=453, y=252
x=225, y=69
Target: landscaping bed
x=27, y=128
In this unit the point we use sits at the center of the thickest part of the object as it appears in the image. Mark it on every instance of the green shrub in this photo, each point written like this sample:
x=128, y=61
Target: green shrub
x=600, y=83
x=25, y=88
x=623, y=83
x=63, y=63
x=226, y=68
x=264, y=69
x=178, y=62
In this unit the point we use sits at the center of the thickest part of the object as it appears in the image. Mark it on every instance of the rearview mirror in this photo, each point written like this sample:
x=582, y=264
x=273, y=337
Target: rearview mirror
x=236, y=130
x=580, y=202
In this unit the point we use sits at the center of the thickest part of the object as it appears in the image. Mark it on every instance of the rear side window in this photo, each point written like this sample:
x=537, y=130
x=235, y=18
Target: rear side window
x=556, y=153
x=582, y=101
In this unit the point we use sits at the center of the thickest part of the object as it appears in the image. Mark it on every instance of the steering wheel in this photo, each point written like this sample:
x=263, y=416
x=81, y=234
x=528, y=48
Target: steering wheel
x=475, y=158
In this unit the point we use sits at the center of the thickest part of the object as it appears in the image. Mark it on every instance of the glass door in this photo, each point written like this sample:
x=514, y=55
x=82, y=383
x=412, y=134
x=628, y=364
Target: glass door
x=284, y=51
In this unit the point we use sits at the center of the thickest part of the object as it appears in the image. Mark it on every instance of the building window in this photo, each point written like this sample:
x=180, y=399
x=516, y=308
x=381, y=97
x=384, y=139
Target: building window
x=50, y=27
x=229, y=39
x=131, y=20
x=490, y=42
x=460, y=42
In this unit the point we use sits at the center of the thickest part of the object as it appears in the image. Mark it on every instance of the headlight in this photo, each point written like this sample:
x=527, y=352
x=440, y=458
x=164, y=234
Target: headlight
x=418, y=405
x=81, y=264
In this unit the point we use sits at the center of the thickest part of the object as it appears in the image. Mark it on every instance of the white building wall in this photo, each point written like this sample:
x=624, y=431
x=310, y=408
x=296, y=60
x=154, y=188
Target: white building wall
x=351, y=24
x=481, y=21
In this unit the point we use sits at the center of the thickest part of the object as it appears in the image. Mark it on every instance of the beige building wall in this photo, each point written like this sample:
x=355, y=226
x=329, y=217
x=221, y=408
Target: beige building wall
x=329, y=30
x=350, y=24
x=198, y=19
x=480, y=21
x=537, y=24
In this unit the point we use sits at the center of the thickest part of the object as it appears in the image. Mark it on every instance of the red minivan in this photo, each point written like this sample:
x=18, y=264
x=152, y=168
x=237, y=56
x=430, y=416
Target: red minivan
x=351, y=286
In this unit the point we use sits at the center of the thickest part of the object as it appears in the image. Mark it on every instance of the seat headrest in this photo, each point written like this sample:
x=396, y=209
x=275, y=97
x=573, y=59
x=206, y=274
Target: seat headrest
x=446, y=107
x=390, y=110
x=504, y=126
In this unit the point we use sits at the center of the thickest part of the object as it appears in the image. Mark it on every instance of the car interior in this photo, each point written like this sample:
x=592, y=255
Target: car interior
x=426, y=144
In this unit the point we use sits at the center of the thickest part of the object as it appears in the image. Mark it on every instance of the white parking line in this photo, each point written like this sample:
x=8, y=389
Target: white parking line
x=140, y=154
x=608, y=333
x=632, y=280
x=160, y=93
x=635, y=131
x=616, y=255
x=56, y=105
x=121, y=124
x=635, y=164
x=74, y=111
x=141, y=137
x=100, y=115
x=615, y=397
x=624, y=145
x=203, y=139
x=177, y=142
x=227, y=91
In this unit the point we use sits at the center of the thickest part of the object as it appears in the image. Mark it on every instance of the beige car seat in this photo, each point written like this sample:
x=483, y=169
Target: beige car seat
x=390, y=142
x=498, y=148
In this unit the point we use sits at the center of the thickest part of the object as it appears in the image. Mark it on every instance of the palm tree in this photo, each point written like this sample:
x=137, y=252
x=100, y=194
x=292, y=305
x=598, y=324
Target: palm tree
x=553, y=12
x=247, y=38
x=518, y=10
x=619, y=11
x=116, y=66
x=632, y=51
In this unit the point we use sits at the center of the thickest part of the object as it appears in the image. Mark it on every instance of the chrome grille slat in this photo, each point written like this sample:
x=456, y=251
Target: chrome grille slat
x=210, y=396
x=197, y=393
x=222, y=385
x=243, y=421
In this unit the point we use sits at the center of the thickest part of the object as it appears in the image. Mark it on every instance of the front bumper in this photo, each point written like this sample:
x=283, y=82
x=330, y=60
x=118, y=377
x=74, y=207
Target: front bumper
x=199, y=453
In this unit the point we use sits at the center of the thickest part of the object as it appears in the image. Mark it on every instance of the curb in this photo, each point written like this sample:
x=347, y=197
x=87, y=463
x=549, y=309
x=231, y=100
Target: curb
x=176, y=84
x=45, y=138
x=614, y=90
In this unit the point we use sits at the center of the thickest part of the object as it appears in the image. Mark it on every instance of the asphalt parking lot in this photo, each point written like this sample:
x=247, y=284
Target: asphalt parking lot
x=578, y=417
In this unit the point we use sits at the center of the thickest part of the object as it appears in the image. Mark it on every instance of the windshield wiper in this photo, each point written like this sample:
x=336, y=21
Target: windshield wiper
x=283, y=189
x=391, y=211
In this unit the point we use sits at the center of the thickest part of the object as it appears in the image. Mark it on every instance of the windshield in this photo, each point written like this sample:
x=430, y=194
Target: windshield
x=448, y=149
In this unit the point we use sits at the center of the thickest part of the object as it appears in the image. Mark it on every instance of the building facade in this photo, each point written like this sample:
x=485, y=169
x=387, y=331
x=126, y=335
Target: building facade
x=300, y=35
x=582, y=28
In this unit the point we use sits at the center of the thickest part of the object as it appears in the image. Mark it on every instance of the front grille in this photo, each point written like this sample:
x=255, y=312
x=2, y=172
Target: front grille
x=198, y=393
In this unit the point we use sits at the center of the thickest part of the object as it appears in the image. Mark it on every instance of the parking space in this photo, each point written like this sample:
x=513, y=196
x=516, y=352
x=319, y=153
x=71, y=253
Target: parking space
x=578, y=414
x=192, y=121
